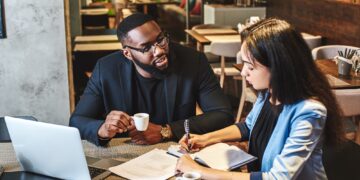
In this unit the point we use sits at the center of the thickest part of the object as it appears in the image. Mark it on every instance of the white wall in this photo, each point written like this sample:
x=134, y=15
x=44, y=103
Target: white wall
x=33, y=64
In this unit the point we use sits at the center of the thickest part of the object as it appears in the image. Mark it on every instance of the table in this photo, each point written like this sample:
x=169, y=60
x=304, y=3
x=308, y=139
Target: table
x=329, y=68
x=96, y=39
x=205, y=39
x=94, y=11
x=121, y=149
x=145, y=3
x=98, y=47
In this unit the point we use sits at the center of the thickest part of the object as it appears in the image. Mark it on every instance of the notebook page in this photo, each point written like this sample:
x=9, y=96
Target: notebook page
x=223, y=157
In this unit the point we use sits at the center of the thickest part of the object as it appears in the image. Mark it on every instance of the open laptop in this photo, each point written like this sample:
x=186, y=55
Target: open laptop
x=52, y=150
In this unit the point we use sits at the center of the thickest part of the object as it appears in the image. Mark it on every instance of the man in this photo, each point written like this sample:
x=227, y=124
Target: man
x=154, y=76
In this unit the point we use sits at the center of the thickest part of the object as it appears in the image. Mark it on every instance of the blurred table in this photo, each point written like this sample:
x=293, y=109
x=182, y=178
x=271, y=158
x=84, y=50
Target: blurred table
x=96, y=39
x=94, y=11
x=329, y=68
x=121, y=149
x=145, y=3
x=203, y=39
x=98, y=47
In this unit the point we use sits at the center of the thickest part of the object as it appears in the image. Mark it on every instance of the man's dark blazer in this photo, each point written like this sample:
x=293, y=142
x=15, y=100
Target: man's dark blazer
x=112, y=86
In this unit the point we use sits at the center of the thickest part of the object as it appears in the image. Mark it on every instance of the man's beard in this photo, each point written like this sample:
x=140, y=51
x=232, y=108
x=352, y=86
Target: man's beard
x=155, y=72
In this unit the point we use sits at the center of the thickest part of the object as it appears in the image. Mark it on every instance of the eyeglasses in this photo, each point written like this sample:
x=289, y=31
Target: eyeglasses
x=161, y=41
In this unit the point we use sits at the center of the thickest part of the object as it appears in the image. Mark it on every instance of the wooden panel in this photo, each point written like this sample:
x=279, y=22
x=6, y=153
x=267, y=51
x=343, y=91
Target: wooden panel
x=337, y=22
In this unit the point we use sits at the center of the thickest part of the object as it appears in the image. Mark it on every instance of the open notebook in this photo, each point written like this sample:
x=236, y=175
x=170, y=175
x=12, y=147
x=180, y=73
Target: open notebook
x=218, y=156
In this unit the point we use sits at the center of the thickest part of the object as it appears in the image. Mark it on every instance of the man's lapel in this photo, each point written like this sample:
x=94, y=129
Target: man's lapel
x=171, y=86
x=125, y=74
x=170, y=95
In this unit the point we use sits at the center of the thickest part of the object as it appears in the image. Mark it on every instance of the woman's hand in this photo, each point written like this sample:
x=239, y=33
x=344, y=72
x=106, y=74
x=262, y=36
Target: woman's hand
x=195, y=143
x=186, y=164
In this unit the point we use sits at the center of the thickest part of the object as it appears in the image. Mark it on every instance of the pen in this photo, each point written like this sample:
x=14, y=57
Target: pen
x=187, y=132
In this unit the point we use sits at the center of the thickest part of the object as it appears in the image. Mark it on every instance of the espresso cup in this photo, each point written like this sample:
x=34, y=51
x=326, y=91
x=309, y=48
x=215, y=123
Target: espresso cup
x=191, y=175
x=141, y=121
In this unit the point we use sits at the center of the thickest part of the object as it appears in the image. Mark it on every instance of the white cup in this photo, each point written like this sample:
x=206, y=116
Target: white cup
x=192, y=175
x=141, y=121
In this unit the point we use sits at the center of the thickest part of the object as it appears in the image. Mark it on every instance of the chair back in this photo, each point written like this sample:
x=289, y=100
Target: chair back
x=329, y=51
x=349, y=101
x=226, y=49
x=4, y=133
x=313, y=41
x=210, y=26
x=238, y=58
x=95, y=21
x=342, y=161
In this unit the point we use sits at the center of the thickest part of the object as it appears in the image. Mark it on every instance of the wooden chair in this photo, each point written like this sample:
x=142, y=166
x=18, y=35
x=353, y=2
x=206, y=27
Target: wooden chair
x=313, y=41
x=95, y=21
x=349, y=102
x=247, y=93
x=225, y=49
x=212, y=58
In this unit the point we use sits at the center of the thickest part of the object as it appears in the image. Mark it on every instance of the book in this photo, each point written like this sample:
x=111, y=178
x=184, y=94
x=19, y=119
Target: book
x=219, y=156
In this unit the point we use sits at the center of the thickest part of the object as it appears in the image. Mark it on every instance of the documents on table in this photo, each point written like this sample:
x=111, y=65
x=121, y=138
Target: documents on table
x=156, y=164
x=219, y=156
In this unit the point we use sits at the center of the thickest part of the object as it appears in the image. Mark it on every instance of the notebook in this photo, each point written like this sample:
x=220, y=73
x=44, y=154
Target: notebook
x=52, y=150
x=219, y=156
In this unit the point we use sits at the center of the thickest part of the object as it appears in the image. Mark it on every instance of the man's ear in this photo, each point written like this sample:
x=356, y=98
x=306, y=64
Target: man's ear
x=127, y=54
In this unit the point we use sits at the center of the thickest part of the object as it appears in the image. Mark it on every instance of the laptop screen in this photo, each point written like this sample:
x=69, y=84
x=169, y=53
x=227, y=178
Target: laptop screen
x=48, y=149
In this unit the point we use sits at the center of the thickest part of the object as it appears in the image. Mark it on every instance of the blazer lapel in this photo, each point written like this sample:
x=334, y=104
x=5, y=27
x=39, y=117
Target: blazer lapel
x=125, y=74
x=170, y=87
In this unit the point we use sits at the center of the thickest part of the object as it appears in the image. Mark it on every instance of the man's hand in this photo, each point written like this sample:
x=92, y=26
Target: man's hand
x=115, y=122
x=150, y=136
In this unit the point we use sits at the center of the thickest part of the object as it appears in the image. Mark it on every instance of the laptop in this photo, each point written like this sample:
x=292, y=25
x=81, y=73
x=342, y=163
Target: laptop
x=53, y=150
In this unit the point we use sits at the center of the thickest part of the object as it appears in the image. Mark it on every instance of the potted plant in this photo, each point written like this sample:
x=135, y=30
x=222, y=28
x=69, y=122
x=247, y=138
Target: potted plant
x=347, y=59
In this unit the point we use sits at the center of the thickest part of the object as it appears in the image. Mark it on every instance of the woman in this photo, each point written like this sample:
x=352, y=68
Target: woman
x=295, y=112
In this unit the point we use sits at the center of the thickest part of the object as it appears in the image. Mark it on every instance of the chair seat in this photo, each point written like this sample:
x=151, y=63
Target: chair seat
x=229, y=71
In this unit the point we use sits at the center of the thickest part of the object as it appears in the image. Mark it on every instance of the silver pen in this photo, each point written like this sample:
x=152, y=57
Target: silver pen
x=187, y=132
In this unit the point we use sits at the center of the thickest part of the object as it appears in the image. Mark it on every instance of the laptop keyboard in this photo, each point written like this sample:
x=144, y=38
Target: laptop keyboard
x=95, y=171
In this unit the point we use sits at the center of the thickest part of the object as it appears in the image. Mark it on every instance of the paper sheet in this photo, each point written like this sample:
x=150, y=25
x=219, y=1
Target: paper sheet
x=156, y=164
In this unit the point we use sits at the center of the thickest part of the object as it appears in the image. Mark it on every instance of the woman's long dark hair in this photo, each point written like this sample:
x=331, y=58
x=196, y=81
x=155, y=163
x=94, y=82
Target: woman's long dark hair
x=276, y=44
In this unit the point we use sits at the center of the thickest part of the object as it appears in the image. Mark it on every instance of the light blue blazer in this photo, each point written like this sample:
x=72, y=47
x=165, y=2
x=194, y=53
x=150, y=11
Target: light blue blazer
x=294, y=150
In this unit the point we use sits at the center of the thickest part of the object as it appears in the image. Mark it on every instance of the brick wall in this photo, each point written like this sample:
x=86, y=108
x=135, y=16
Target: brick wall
x=338, y=23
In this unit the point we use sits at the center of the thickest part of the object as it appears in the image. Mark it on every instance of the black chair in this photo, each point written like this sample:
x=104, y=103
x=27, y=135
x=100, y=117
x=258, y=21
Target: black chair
x=342, y=162
x=95, y=21
x=93, y=7
x=4, y=133
x=99, y=32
